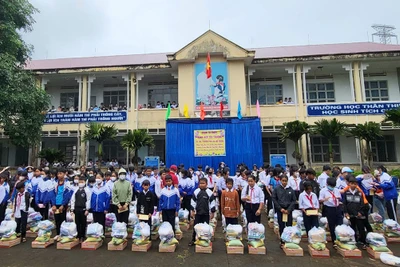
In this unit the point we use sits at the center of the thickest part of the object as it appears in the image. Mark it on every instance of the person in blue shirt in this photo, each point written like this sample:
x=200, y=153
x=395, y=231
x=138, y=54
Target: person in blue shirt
x=36, y=179
x=186, y=189
x=137, y=185
x=22, y=177
x=4, y=195
x=60, y=196
x=42, y=195
x=170, y=202
x=148, y=176
x=100, y=200
x=389, y=192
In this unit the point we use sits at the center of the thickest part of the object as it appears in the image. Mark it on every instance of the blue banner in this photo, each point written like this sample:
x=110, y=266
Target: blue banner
x=366, y=108
x=152, y=161
x=85, y=117
x=275, y=159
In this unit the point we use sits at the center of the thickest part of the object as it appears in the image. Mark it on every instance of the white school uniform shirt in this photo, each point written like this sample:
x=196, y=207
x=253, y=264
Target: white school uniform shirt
x=211, y=181
x=294, y=183
x=241, y=182
x=264, y=178
x=385, y=178
x=322, y=180
x=340, y=183
x=334, y=197
x=256, y=194
x=3, y=193
x=21, y=205
x=307, y=201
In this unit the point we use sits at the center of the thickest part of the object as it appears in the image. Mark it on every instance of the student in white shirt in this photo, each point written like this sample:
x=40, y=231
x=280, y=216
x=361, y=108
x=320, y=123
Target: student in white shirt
x=326, y=172
x=330, y=197
x=253, y=197
x=308, y=200
x=211, y=179
x=295, y=181
x=21, y=206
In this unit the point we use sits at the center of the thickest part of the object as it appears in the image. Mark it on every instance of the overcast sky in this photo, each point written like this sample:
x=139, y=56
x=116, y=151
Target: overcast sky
x=78, y=28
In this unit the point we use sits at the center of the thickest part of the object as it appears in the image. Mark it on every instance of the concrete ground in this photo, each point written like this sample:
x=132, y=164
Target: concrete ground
x=24, y=255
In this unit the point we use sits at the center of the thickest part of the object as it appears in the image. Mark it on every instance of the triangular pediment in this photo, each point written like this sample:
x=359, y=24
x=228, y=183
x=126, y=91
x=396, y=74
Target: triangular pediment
x=211, y=42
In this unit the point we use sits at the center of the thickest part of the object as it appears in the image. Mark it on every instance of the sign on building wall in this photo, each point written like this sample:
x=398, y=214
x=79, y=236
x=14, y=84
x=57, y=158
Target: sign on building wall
x=275, y=159
x=214, y=90
x=209, y=143
x=152, y=162
x=85, y=117
x=366, y=108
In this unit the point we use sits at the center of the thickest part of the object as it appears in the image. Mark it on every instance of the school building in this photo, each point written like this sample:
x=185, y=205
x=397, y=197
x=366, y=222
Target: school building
x=353, y=82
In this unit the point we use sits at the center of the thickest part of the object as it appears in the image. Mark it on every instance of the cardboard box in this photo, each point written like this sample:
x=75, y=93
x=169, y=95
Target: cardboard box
x=293, y=252
x=376, y=255
x=69, y=245
x=36, y=244
x=166, y=248
x=355, y=254
x=178, y=236
x=311, y=212
x=318, y=253
x=206, y=250
x=257, y=251
x=119, y=247
x=31, y=234
x=91, y=245
x=234, y=250
x=141, y=248
x=11, y=243
x=391, y=239
x=271, y=225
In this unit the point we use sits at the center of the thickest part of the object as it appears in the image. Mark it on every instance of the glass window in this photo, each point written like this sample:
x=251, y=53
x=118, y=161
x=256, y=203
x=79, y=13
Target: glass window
x=320, y=92
x=162, y=95
x=384, y=149
x=272, y=145
x=68, y=100
x=319, y=149
x=115, y=98
x=266, y=94
x=376, y=91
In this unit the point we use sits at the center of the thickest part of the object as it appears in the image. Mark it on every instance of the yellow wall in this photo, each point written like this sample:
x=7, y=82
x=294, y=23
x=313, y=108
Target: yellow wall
x=237, y=86
x=186, y=87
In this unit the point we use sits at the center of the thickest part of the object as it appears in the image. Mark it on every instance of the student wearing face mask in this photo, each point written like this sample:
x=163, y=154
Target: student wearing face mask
x=23, y=177
x=36, y=179
x=70, y=175
x=29, y=170
x=100, y=201
x=80, y=206
x=110, y=184
x=41, y=195
x=131, y=174
x=91, y=182
x=121, y=196
x=75, y=183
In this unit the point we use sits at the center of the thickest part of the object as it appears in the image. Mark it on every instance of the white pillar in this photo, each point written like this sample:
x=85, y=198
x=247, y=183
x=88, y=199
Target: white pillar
x=292, y=70
x=250, y=72
x=363, y=67
x=79, y=80
x=91, y=78
x=126, y=78
x=139, y=77
x=305, y=70
x=349, y=68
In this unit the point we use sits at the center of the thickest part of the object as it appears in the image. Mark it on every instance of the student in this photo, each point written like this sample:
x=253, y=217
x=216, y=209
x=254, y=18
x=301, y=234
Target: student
x=4, y=195
x=75, y=183
x=308, y=200
x=148, y=175
x=295, y=181
x=242, y=183
x=310, y=173
x=21, y=206
x=211, y=179
x=169, y=201
x=389, y=192
x=137, y=186
x=284, y=200
x=36, y=179
x=42, y=195
x=110, y=184
x=145, y=202
x=80, y=206
x=230, y=204
x=203, y=205
x=253, y=197
x=60, y=196
x=356, y=210
x=186, y=189
x=366, y=182
x=326, y=173
x=330, y=197
x=100, y=201
x=122, y=196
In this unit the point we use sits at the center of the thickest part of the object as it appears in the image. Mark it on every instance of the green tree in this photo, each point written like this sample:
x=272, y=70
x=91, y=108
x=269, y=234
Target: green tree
x=51, y=155
x=330, y=129
x=367, y=132
x=393, y=116
x=293, y=131
x=23, y=103
x=99, y=132
x=135, y=140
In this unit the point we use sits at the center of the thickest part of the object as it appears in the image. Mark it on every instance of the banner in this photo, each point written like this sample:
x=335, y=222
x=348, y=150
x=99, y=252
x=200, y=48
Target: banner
x=209, y=143
x=366, y=108
x=214, y=90
x=85, y=117
x=275, y=159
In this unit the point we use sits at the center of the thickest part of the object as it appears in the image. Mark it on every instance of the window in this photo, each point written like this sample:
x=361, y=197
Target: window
x=319, y=149
x=320, y=92
x=68, y=100
x=113, y=150
x=376, y=91
x=272, y=145
x=69, y=149
x=114, y=98
x=162, y=95
x=384, y=149
x=267, y=94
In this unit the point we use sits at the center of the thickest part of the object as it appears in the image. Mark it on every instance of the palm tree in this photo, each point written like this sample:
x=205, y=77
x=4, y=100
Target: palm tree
x=294, y=130
x=51, y=155
x=99, y=132
x=392, y=115
x=135, y=140
x=330, y=129
x=368, y=132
